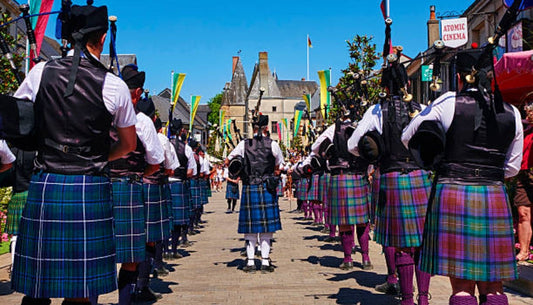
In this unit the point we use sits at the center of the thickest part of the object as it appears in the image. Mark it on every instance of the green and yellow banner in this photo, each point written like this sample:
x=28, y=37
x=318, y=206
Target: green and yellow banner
x=221, y=117
x=177, y=83
x=195, y=101
x=297, y=120
x=325, y=96
x=228, y=129
x=307, y=99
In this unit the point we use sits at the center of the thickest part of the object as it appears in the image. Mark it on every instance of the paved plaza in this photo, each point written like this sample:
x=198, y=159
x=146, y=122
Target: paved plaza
x=306, y=270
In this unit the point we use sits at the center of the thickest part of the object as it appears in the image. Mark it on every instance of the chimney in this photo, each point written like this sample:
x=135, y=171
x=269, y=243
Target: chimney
x=433, y=27
x=235, y=61
x=264, y=72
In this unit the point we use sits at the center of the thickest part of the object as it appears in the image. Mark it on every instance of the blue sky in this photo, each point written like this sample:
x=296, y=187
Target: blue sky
x=199, y=38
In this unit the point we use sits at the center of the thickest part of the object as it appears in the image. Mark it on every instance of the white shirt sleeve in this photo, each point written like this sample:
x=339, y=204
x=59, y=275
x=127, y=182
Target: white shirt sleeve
x=6, y=156
x=329, y=133
x=441, y=110
x=191, y=162
x=513, y=159
x=146, y=132
x=278, y=154
x=226, y=173
x=371, y=121
x=206, y=165
x=238, y=151
x=30, y=86
x=171, y=160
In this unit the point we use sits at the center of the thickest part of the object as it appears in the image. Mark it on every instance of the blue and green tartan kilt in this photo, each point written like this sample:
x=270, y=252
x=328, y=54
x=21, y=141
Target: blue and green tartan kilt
x=204, y=186
x=130, y=229
x=348, y=203
x=196, y=194
x=313, y=194
x=65, y=246
x=156, y=200
x=14, y=212
x=279, y=189
x=232, y=190
x=469, y=234
x=259, y=210
x=209, y=192
x=181, y=202
x=401, y=210
x=302, y=189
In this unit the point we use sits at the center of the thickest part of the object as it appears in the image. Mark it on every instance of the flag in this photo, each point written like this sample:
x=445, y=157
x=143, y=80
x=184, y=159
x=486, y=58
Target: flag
x=285, y=122
x=309, y=44
x=524, y=6
x=228, y=129
x=177, y=83
x=297, y=120
x=221, y=117
x=279, y=131
x=195, y=101
x=383, y=7
x=39, y=23
x=307, y=99
x=325, y=96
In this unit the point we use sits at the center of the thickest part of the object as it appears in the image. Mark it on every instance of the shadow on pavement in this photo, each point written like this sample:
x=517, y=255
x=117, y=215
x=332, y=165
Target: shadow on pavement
x=347, y=296
x=324, y=261
x=363, y=278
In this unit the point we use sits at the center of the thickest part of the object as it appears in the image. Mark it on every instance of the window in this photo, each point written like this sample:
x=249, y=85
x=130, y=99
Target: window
x=274, y=108
x=274, y=128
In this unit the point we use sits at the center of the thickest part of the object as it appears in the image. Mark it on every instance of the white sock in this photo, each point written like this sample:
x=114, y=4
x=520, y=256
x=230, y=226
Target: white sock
x=250, y=246
x=13, y=246
x=265, y=247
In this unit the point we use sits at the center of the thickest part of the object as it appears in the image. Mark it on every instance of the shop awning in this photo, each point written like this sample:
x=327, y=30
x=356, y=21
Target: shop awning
x=514, y=72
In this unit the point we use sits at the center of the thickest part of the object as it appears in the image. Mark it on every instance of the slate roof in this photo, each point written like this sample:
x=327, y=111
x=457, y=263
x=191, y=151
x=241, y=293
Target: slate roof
x=123, y=60
x=296, y=89
x=181, y=111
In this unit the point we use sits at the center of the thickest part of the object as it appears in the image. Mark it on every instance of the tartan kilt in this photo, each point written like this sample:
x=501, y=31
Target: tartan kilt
x=259, y=210
x=324, y=187
x=204, y=186
x=296, y=187
x=65, y=247
x=156, y=200
x=209, y=192
x=128, y=213
x=279, y=189
x=401, y=210
x=181, y=202
x=232, y=190
x=14, y=212
x=313, y=194
x=348, y=203
x=196, y=194
x=302, y=189
x=469, y=234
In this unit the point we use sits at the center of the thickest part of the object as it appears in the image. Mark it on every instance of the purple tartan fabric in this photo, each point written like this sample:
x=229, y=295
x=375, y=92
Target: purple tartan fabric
x=156, y=201
x=279, y=189
x=66, y=247
x=401, y=210
x=302, y=189
x=348, y=203
x=469, y=234
x=324, y=188
x=129, y=221
x=313, y=193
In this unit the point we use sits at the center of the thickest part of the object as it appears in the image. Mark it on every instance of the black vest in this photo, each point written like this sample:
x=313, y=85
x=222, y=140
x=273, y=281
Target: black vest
x=395, y=116
x=198, y=165
x=259, y=161
x=477, y=155
x=22, y=169
x=132, y=164
x=181, y=172
x=73, y=132
x=343, y=159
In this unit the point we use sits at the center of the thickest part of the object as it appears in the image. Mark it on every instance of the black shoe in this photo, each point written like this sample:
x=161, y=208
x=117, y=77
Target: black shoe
x=330, y=239
x=146, y=295
x=177, y=256
x=346, y=265
x=161, y=271
x=249, y=269
x=388, y=288
x=367, y=265
x=186, y=244
x=244, y=253
x=167, y=256
x=267, y=269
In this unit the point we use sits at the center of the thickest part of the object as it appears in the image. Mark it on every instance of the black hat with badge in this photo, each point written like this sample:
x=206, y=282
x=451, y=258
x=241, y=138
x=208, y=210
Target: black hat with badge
x=260, y=121
x=133, y=77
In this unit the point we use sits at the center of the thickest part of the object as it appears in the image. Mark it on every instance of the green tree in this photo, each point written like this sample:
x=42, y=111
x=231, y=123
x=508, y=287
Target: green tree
x=214, y=105
x=8, y=82
x=363, y=59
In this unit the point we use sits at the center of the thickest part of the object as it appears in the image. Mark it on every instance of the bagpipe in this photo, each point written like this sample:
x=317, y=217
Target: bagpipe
x=237, y=131
x=255, y=112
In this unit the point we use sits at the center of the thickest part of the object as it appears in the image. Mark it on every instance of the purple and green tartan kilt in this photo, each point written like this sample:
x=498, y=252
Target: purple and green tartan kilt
x=14, y=212
x=259, y=210
x=401, y=210
x=232, y=190
x=348, y=203
x=324, y=187
x=181, y=202
x=279, y=189
x=469, y=234
x=128, y=213
x=65, y=246
x=313, y=194
x=196, y=194
x=204, y=186
x=156, y=200
x=302, y=189
x=296, y=187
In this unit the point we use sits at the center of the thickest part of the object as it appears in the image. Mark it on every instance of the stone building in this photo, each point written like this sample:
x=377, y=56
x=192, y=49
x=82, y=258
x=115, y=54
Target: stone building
x=279, y=99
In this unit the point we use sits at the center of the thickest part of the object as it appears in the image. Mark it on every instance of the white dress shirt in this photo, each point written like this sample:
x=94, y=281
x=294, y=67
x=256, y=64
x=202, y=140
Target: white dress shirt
x=6, y=156
x=171, y=160
x=276, y=151
x=146, y=132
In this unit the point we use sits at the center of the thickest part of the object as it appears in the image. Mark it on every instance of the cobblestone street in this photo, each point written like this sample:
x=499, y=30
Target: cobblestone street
x=306, y=270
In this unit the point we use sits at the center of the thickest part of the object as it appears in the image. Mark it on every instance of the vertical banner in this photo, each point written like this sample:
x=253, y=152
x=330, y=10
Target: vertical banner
x=297, y=120
x=307, y=99
x=285, y=123
x=39, y=23
x=195, y=101
x=228, y=129
x=221, y=119
x=279, y=131
x=325, y=96
x=177, y=83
